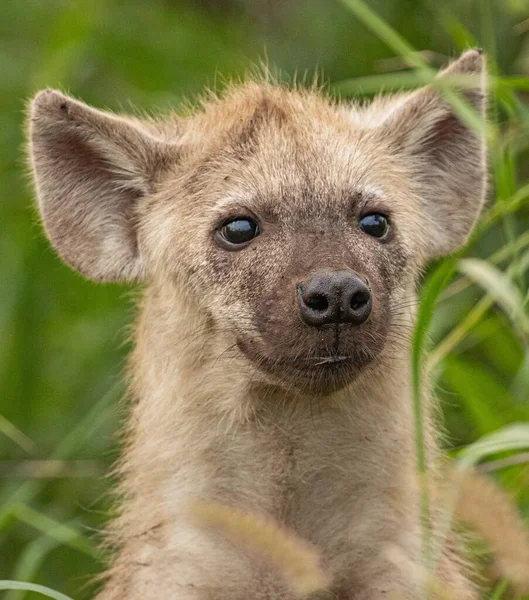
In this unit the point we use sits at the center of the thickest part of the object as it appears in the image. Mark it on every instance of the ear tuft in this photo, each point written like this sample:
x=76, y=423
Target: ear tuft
x=470, y=62
x=50, y=102
x=48, y=99
x=91, y=169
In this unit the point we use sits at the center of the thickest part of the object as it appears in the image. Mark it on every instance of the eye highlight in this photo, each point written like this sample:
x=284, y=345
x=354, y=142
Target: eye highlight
x=375, y=225
x=237, y=233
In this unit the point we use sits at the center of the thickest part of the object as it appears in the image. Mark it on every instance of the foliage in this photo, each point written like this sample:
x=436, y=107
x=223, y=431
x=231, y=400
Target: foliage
x=62, y=339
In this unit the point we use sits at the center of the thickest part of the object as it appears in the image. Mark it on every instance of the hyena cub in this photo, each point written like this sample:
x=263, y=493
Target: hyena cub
x=279, y=236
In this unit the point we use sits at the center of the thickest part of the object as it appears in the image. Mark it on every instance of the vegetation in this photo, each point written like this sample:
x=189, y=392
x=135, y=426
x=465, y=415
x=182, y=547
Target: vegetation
x=62, y=339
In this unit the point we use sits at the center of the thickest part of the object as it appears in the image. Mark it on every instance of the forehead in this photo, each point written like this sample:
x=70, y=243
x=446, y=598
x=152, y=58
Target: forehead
x=282, y=152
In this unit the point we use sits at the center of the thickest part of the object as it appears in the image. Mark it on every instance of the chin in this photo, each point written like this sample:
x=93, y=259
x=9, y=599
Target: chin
x=318, y=375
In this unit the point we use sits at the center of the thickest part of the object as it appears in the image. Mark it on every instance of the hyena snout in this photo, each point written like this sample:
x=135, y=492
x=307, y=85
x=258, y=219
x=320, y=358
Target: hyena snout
x=329, y=296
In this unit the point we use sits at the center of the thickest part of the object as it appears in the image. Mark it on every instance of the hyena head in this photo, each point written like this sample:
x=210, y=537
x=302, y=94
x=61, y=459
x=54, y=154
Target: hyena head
x=295, y=225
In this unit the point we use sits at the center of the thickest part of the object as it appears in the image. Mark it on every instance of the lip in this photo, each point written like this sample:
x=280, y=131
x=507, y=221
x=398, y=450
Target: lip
x=321, y=374
x=317, y=373
x=300, y=364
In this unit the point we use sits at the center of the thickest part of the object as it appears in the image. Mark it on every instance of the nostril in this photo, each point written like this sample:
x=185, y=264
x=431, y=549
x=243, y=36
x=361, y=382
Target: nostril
x=317, y=302
x=359, y=300
x=334, y=297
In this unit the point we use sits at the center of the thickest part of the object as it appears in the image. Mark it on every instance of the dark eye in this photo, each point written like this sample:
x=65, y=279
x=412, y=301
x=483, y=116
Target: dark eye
x=238, y=231
x=375, y=224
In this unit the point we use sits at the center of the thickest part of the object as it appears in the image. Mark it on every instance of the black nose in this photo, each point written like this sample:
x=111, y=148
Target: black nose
x=334, y=297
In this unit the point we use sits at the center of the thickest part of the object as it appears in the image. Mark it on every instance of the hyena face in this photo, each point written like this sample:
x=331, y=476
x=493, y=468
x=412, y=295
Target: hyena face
x=304, y=236
x=296, y=225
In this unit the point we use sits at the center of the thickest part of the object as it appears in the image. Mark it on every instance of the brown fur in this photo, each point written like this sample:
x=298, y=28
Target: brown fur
x=230, y=406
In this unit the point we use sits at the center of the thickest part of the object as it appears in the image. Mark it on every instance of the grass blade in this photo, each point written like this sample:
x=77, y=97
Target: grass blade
x=15, y=435
x=59, y=531
x=429, y=296
x=388, y=35
x=425, y=73
x=499, y=286
x=500, y=590
x=6, y=584
x=513, y=437
x=75, y=439
x=30, y=561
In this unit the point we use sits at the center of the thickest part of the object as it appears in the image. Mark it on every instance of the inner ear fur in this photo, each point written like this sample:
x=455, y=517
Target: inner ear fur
x=91, y=168
x=446, y=158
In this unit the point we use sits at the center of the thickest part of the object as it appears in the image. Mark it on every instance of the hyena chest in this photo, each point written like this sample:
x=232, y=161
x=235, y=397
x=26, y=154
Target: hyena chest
x=324, y=492
x=317, y=480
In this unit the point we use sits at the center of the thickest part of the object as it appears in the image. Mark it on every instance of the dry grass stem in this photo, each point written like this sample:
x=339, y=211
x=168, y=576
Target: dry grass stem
x=295, y=559
x=491, y=512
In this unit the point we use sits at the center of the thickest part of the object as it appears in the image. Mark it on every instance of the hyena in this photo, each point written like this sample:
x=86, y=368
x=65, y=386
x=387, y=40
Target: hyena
x=279, y=236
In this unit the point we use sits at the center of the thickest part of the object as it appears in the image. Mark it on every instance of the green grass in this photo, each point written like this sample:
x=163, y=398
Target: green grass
x=61, y=349
x=32, y=587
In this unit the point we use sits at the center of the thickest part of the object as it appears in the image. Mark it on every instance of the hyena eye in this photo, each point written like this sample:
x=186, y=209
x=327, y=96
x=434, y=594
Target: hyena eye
x=238, y=232
x=375, y=224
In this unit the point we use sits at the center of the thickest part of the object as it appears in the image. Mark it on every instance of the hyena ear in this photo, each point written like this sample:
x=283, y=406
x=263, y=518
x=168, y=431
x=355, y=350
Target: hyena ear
x=91, y=169
x=446, y=157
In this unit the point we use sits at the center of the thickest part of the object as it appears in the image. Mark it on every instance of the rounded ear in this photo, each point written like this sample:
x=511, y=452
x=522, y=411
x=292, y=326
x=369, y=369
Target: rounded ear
x=445, y=157
x=91, y=168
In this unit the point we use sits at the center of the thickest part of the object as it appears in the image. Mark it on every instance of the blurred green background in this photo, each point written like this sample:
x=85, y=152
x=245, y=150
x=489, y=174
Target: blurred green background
x=63, y=340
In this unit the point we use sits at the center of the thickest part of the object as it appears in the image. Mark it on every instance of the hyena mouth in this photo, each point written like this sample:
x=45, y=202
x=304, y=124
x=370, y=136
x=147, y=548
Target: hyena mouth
x=310, y=366
x=321, y=372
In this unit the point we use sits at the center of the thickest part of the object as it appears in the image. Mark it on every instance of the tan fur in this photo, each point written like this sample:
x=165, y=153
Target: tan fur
x=217, y=416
